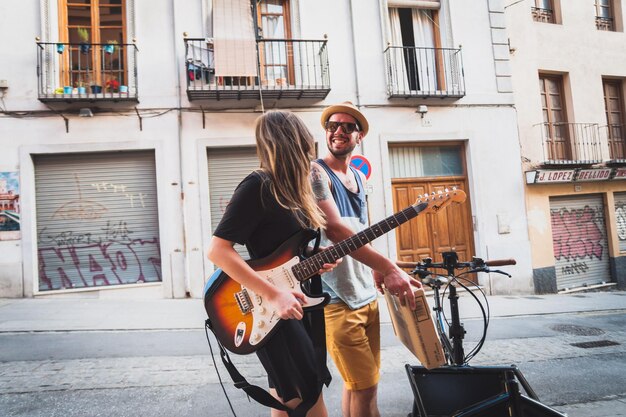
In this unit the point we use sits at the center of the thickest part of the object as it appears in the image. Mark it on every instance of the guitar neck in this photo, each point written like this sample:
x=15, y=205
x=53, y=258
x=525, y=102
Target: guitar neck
x=310, y=266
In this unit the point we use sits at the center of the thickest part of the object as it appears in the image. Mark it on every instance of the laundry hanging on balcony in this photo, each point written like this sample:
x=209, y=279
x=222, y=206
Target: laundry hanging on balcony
x=234, y=39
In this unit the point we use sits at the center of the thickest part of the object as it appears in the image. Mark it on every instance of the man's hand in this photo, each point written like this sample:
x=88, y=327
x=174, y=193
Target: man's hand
x=398, y=283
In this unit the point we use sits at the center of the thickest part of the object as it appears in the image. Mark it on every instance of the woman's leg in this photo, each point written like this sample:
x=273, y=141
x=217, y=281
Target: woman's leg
x=318, y=409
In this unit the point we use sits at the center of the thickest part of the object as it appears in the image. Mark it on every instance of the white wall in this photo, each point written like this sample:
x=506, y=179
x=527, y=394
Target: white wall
x=484, y=119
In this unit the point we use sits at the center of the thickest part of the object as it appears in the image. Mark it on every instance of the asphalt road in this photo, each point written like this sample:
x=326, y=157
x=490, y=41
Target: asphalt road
x=170, y=373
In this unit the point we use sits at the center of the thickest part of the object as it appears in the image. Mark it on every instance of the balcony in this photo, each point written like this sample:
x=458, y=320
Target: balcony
x=288, y=68
x=420, y=72
x=72, y=72
x=605, y=23
x=543, y=15
x=574, y=144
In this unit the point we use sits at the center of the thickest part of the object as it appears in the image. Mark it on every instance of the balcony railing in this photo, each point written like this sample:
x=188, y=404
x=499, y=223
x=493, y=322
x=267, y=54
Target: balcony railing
x=604, y=23
x=570, y=143
x=288, y=68
x=542, y=15
x=86, y=72
x=424, y=72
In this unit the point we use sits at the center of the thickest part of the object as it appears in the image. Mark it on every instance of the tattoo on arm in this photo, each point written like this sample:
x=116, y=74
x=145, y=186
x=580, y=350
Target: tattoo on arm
x=319, y=184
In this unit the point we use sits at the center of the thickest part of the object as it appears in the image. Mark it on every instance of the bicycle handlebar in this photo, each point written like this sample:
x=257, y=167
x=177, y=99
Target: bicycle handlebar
x=477, y=262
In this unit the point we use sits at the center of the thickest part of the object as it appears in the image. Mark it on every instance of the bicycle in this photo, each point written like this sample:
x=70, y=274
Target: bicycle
x=486, y=391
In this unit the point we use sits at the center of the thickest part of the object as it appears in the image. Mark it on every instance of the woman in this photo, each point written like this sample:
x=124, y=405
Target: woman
x=269, y=206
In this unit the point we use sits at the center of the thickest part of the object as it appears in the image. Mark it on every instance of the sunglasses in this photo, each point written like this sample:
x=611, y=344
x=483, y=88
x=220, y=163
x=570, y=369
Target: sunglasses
x=347, y=127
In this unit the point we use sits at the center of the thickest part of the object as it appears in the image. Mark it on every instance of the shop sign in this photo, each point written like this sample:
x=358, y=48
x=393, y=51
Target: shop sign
x=620, y=174
x=594, y=174
x=554, y=176
x=550, y=176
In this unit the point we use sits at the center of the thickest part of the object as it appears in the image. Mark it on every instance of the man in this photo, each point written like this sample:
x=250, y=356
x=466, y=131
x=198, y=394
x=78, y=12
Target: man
x=352, y=317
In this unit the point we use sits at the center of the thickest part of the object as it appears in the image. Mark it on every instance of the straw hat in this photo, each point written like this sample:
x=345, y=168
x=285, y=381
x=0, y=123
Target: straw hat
x=348, y=108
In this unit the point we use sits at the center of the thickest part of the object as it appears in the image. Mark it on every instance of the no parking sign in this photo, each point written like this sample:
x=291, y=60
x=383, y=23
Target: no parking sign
x=361, y=163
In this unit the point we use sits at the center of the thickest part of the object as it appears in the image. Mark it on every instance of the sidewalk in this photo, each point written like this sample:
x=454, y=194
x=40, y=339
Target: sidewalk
x=71, y=314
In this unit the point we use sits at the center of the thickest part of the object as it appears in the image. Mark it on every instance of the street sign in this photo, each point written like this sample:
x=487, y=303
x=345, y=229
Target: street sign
x=361, y=163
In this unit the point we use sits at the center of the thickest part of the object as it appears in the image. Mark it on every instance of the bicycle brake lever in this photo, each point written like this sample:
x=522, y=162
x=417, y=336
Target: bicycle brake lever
x=497, y=271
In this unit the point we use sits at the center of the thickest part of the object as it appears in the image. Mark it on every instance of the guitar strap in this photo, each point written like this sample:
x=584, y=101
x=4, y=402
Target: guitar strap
x=316, y=327
x=255, y=392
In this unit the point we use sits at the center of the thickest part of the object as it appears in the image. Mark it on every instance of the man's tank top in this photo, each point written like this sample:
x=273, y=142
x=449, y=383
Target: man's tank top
x=351, y=281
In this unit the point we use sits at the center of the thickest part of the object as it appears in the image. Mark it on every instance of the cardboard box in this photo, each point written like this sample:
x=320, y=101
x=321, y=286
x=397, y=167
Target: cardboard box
x=416, y=329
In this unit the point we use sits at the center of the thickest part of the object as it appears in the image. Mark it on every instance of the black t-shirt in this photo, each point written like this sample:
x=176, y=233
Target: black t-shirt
x=254, y=218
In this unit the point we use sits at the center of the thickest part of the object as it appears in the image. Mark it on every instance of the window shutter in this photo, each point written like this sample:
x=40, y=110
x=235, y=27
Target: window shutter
x=234, y=39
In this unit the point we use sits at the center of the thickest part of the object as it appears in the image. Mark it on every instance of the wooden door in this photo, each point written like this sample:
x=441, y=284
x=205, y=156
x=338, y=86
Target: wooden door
x=95, y=23
x=556, y=128
x=429, y=235
x=277, y=50
x=614, y=109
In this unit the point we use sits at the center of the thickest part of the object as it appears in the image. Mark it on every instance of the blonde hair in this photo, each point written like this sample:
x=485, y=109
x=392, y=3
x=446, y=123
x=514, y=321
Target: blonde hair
x=285, y=148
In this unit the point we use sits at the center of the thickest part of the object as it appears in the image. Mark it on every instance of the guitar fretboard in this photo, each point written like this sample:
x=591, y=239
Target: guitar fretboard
x=310, y=266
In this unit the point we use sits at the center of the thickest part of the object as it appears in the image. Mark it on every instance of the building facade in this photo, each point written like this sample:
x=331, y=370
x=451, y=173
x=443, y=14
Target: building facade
x=128, y=125
x=569, y=70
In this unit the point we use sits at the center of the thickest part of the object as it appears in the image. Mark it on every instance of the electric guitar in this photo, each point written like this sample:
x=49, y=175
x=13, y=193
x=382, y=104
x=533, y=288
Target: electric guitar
x=242, y=321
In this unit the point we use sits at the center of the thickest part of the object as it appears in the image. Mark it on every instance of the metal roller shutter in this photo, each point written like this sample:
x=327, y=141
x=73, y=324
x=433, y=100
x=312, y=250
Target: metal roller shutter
x=579, y=241
x=227, y=167
x=97, y=219
x=620, y=217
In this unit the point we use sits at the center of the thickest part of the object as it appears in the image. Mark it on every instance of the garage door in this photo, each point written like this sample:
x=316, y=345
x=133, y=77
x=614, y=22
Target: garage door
x=579, y=241
x=227, y=167
x=620, y=217
x=97, y=219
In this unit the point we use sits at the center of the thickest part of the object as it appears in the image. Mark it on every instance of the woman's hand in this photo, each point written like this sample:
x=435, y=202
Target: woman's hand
x=329, y=267
x=326, y=267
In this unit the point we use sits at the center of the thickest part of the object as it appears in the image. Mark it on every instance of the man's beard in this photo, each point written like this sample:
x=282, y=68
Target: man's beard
x=339, y=153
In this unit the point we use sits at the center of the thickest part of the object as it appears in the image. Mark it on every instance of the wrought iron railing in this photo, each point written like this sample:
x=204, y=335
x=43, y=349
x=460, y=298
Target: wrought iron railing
x=287, y=68
x=570, y=143
x=542, y=15
x=86, y=71
x=605, y=23
x=424, y=72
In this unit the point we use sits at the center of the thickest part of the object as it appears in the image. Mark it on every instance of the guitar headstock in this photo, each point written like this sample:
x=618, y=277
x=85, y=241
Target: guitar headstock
x=437, y=201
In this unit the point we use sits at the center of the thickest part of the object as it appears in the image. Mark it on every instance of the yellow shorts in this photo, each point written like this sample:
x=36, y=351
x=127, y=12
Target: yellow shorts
x=353, y=341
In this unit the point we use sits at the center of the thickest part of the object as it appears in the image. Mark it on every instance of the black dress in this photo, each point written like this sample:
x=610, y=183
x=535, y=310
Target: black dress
x=295, y=356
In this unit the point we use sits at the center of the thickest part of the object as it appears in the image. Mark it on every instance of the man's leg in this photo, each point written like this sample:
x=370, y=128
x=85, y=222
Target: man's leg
x=353, y=338
x=356, y=403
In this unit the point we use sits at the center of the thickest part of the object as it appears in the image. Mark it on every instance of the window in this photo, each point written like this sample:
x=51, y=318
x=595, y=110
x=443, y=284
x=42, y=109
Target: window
x=604, y=15
x=614, y=109
x=96, y=32
x=556, y=133
x=415, y=39
x=277, y=49
x=543, y=11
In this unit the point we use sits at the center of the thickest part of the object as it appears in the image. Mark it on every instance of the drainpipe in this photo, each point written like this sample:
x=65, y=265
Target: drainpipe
x=356, y=71
x=186, y=288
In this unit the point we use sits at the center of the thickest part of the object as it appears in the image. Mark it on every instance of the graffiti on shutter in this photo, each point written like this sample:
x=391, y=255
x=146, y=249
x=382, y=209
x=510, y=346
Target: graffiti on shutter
x=579, y=241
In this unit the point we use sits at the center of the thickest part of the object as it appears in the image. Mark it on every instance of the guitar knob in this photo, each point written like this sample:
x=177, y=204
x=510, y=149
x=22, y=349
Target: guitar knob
x=261, y=310
x=261, y=324
x=256, y=337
